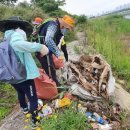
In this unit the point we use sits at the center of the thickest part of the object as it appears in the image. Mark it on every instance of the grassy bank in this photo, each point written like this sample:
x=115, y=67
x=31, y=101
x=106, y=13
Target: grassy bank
x=108, y=36
x=7, y=99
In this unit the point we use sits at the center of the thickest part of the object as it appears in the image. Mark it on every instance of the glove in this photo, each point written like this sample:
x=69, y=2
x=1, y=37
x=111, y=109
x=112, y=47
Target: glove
x=44, y=51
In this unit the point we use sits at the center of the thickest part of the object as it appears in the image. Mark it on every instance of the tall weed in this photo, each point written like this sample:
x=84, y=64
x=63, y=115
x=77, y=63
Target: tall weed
x=105, y=36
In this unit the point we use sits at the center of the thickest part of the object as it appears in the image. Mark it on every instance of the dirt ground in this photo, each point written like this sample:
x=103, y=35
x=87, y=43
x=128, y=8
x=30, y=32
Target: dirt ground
x=15, y=120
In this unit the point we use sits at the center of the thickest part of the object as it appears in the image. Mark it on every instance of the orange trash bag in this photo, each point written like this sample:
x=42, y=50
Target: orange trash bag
x=58, y=63
x=45, y=87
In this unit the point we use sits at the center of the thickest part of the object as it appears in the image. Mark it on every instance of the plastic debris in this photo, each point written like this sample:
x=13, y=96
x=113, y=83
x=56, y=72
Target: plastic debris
x=105, y=127
x=46, y=111
x=81, y=108
x=40, y=104
x=96, y=118
x=62, y=102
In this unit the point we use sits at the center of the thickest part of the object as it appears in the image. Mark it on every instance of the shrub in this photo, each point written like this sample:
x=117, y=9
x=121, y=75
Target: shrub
x=24, y=12
x=81, y=19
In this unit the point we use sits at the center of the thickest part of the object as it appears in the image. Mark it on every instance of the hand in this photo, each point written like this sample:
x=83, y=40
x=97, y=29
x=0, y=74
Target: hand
x=44, y=51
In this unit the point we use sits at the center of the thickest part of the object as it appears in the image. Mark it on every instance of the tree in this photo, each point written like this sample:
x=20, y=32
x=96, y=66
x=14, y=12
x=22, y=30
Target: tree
x=49, y=5
x=8, y=1
x=24, y=4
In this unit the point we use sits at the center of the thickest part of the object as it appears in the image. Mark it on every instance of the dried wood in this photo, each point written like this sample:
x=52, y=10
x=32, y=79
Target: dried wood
x=82, y=80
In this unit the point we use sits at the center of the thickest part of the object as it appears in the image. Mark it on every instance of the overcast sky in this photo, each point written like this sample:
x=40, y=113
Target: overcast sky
x=91, y=7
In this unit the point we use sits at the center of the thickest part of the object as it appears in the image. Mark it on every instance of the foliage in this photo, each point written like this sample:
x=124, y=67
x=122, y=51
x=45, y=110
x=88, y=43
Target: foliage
x=70, y=36
x=105, y=35
x=49, y=5
x=81, y=19
x=23, y=10
x=68, y=120
x=114, y=17
x=7, y=2
x=24, y=4
x=77, y=49
x=8, y=99
x=57, y=13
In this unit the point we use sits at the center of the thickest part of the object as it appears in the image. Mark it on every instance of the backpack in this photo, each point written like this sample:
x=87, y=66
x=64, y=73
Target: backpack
x=37, y=28
x=11, y=69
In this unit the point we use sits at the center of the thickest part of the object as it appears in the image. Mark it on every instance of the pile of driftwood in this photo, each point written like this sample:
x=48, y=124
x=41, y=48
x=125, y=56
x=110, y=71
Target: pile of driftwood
x=94, y=74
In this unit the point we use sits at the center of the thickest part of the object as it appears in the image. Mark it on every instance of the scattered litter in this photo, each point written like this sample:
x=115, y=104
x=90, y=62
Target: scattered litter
x=45, y=111
x=95, y=117
x=90, y=82
x=93, y=74
x=40, y=104
x=77, y=90
x=116, y=109
x=62, y=102
x=81, y=109
x=105, y=127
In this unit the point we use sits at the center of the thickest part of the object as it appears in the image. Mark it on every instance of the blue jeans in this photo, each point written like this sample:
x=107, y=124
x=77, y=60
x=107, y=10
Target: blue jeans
x=27, y=88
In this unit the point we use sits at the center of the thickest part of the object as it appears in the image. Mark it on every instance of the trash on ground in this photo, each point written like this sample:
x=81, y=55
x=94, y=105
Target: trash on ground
x=93, y=74
x=45, y=111
x=62, y=102
x=90, y=82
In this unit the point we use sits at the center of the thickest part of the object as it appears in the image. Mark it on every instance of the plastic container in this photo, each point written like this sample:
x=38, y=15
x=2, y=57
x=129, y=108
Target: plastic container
x=95, y=117
x=98, y=118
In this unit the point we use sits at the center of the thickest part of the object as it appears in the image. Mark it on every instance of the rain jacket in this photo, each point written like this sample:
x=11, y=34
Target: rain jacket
x=23, y=50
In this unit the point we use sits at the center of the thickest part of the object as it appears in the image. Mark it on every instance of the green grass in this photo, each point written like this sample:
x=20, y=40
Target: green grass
x=7, y=99
x=23, y=12
x=66, y=119
x=105, y=35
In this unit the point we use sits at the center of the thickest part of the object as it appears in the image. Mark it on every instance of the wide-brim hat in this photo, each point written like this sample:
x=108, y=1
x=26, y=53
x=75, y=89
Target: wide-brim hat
x=69, y=20
x=16, y=20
